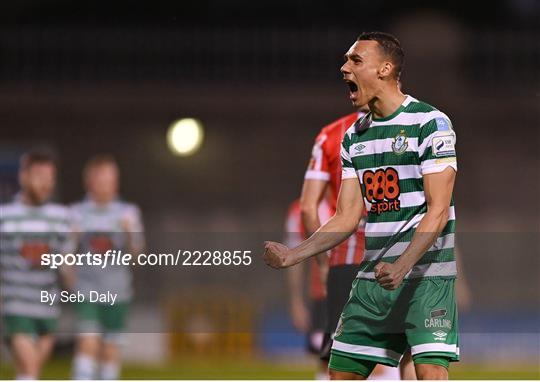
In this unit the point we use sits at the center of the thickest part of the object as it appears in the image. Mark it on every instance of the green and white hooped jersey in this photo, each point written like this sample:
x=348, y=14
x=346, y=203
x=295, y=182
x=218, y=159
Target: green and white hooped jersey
x=100, y=229
x=28, y=232
x=389, y=157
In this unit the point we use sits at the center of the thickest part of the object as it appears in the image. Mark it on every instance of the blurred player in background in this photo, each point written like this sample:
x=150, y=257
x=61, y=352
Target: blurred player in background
x=323, y=177
x=30, y=226
x=310, y=321
x=400, y=161
x=104, y=223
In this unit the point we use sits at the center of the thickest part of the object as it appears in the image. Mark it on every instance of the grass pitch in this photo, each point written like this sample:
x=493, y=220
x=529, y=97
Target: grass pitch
x=214, y=368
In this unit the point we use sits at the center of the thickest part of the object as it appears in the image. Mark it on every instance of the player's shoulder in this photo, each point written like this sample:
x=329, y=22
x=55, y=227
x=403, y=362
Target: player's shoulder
x=332, y=134
x=427, y=114
x=351, y=128
x=339, y=126
x=81, y=207
x=10, y=209
x=57, y=211
x=126, y=206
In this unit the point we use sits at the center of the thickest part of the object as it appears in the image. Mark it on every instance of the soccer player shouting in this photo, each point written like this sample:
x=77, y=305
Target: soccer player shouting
x=322, y=180
x=399, y=163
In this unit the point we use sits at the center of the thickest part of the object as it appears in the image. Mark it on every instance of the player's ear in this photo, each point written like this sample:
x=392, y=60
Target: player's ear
x=385, y=70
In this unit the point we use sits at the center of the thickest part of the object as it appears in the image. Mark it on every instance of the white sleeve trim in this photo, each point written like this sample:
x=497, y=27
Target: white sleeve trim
x=317, y=175
x=435, y=168
x=348, y=173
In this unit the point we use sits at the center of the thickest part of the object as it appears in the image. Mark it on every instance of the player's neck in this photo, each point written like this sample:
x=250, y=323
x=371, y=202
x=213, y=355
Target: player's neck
x=387, y=102
x=101, y=202
x=27, y=200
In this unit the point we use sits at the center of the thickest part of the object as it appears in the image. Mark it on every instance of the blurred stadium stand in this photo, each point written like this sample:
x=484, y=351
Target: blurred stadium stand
x=89, y=55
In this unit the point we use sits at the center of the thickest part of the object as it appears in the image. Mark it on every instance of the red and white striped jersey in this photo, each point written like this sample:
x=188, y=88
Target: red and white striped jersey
x=325, y=164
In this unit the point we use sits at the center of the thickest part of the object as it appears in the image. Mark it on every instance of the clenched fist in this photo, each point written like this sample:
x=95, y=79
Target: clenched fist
x=277, y=255
x=389, y=276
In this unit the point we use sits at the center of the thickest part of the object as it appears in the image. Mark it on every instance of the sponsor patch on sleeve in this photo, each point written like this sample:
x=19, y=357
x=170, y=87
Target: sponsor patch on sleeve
x=443, y=144
x=443, y=124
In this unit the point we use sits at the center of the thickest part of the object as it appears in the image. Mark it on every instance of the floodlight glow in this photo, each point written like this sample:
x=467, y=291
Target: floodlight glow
x=185, y=136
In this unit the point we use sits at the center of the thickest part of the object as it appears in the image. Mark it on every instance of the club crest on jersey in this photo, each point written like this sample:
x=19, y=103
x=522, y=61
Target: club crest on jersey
x=400, y=143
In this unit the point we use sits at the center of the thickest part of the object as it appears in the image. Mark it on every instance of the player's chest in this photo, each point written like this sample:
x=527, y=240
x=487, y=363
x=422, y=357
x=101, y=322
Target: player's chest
x=99, y=221
x=32, y=224
x=32, y=235
x=378, y=147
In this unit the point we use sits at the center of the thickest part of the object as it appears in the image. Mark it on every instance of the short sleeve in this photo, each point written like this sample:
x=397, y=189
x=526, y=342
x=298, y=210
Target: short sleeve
x=318, y=167
x=347, y=168
x=133, y=216
x=436, y=146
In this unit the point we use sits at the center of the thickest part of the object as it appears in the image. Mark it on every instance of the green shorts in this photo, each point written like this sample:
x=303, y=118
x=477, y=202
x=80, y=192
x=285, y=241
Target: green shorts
x=101, y=319
x=378, y=325
x=12, y=325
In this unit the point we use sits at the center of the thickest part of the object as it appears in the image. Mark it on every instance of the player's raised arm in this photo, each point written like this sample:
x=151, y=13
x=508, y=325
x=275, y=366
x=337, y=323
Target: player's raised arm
x=349, y=211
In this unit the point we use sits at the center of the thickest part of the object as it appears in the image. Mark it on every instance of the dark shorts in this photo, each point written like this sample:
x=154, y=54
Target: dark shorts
x=338, y=287
x=108, y=321
x=12, y=324
x=315, y=335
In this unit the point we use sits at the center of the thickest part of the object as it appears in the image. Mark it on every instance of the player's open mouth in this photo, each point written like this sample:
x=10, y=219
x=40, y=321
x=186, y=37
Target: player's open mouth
x=353, y=89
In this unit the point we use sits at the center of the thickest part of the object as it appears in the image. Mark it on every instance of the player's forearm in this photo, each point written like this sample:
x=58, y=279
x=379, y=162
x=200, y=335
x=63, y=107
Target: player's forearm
x=311, y=223
x=335, y=231
x=428, y=230
x=310, y=219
